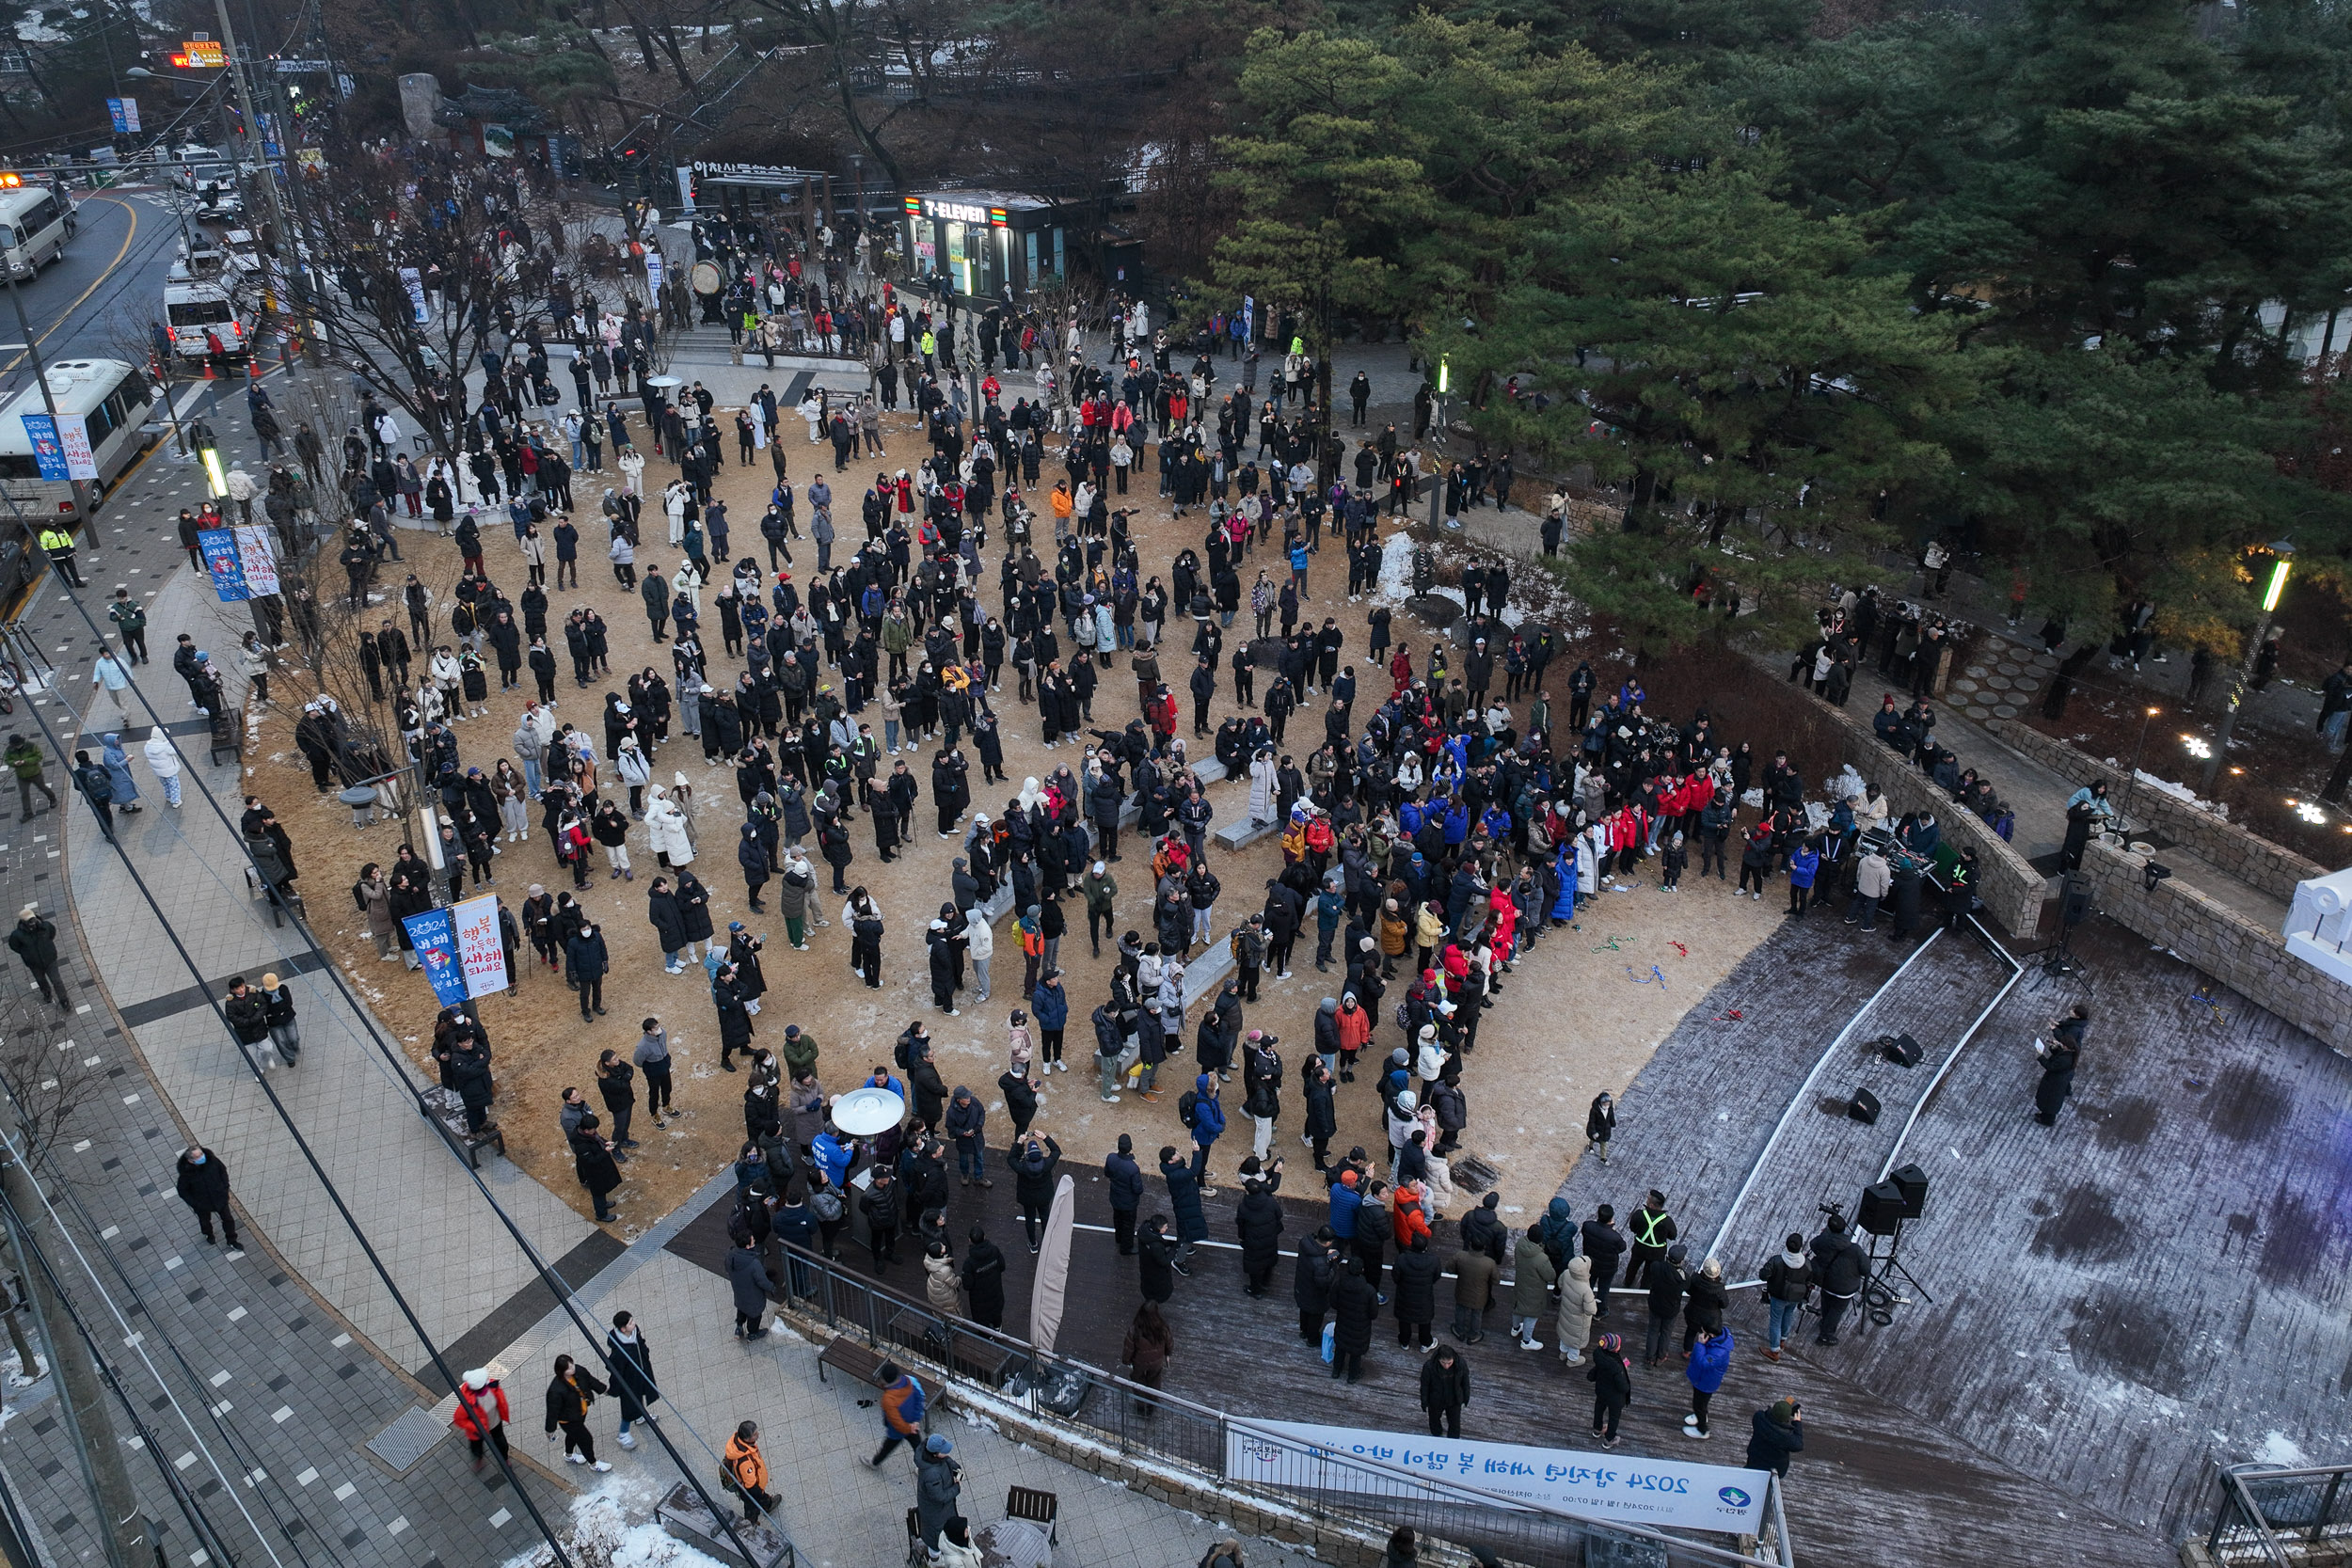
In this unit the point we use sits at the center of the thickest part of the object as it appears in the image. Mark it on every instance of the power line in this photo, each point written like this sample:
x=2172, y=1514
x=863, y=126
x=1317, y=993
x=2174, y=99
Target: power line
x=254, y=1470
x=309, y=1156
x=199, y=1521
x=557, y=1286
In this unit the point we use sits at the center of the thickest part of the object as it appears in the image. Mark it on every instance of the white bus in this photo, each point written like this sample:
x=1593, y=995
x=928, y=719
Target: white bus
x=35, y=224
x=111, y=398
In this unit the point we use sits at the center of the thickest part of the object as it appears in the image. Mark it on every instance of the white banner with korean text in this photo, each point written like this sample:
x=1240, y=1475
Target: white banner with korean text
x=1657, y=1493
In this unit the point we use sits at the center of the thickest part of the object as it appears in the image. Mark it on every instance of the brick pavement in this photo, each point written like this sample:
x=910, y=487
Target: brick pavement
x=276, y=1397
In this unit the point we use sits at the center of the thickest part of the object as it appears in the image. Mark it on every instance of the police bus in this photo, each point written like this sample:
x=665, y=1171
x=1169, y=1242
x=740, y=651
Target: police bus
x=35, y=224
x=111, y=399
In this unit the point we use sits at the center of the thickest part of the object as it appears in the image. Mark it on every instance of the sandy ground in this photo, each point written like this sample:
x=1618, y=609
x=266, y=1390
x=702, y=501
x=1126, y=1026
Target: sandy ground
x=1582, y=1013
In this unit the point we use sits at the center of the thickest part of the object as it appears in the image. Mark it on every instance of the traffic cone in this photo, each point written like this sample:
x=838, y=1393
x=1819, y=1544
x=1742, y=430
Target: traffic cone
x=252, y=367
x=209, y=374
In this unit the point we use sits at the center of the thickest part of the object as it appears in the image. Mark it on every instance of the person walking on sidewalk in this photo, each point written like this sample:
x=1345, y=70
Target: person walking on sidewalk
x=203, y=1186
x=35, y=941
x=631, y=1357
x=901, y=1405
x=278, y=1014
x=747, y=1472
x=570, y=1393
x=25, y=761
x=91, y=779
x=481, y=1414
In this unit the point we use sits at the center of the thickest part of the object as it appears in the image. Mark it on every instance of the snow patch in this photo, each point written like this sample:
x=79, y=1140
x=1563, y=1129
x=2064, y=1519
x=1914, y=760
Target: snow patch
x=2277, y=1448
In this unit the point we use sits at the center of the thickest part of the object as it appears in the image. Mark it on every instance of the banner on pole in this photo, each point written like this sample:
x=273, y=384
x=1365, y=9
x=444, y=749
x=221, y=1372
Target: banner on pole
x=219, y=548
x=60, y=443
x=1657, y=1492
x=480, y=954
x=435, y=942
x=653, y=269
x=257, y=553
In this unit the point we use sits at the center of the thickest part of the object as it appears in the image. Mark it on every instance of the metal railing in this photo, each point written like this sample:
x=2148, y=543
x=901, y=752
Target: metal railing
x=2275, y=1516
x=1053, y=1388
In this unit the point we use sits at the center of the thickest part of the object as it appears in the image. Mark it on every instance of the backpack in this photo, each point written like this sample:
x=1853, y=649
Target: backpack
x=1185, y=1105
x=825, y=1203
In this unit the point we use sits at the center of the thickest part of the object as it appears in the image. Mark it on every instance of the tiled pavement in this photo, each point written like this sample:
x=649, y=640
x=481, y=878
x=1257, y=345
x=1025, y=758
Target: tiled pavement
x=840, y=1513
x=264, y=1420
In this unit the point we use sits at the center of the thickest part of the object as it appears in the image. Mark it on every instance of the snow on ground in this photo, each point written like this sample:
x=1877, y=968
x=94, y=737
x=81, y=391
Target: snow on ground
x=602, y=1535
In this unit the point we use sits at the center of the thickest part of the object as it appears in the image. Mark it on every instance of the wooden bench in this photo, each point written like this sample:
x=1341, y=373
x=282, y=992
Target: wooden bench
x=989, y=1360
x=863, y=1363
x=1040, y=1508
x=228, y=735
x=449, y=1118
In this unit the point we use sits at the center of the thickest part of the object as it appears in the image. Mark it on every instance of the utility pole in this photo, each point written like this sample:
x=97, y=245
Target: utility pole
x=49, y=400
x=128, y=1539
x=281, y=253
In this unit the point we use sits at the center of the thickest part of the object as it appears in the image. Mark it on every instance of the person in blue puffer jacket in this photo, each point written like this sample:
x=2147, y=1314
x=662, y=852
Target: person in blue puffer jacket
x=1710, y=1357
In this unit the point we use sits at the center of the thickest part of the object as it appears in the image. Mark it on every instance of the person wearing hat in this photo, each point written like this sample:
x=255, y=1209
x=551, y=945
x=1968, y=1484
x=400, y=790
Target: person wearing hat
x=938, y=1481
x=277, y=1011
x=1611, y=1377
x=1774, y=1434
x=481, y=1414
x=35, y=942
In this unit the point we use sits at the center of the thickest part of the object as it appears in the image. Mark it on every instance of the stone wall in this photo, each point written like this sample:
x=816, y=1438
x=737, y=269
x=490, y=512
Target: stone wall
x=2210, y=935
x=2220, y=843
x=2012, y=890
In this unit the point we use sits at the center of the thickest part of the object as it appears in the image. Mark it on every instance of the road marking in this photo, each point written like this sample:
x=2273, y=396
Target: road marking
x=9, y=369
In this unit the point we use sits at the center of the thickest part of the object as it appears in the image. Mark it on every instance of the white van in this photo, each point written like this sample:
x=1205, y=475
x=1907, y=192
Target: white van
x=35, y=224
x=112, y=398
x=195, y=305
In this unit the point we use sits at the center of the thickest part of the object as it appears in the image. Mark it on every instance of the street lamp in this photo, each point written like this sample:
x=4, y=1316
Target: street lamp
x=2147, y=717
x=2285, y=550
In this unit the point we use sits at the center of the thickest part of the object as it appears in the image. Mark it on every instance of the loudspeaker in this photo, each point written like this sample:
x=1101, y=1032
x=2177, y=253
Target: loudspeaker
x=1902, y=1049
x=1882, y=1208
x=1864, y=1107
x=2076, y=895
x=1912, y=1184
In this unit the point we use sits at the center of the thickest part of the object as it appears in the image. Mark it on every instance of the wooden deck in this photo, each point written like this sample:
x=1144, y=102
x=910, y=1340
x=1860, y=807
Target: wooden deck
x=2163, y=1273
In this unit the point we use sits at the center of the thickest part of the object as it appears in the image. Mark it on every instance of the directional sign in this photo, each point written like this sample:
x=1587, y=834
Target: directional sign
x=203, y=54
x=294, y=67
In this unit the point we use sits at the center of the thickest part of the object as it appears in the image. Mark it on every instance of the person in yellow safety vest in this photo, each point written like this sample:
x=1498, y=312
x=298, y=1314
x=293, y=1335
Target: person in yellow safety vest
x=60, y=544
x=748, y=1471
x=1652, y=1230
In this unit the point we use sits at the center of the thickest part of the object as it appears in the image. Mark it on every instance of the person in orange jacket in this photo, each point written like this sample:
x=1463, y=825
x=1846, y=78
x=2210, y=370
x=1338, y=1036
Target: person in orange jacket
x=747, y=1468
x=482, y=1413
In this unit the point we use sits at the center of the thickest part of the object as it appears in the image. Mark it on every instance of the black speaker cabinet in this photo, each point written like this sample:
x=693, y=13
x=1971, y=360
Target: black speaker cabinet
x=1912, y=1184
x=1902, y=1049
x=1864, y=1107
x=1882, y=1208
x=2076, y=906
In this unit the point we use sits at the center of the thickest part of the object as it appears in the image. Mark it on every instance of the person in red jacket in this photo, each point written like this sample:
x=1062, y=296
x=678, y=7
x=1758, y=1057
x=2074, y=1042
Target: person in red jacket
x=482, y=1413
x=1407, y=1216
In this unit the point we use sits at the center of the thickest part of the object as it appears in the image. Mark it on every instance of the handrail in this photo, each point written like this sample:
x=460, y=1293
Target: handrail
x=1211, y=1425
x=2017, y=973
x=1804, y=1092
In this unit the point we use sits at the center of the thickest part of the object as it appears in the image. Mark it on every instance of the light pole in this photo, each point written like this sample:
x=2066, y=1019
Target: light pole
x=2147, y=716
x=2284, y=552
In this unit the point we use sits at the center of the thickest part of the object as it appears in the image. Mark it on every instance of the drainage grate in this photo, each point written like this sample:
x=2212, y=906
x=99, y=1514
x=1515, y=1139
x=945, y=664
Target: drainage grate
x=408, y=1439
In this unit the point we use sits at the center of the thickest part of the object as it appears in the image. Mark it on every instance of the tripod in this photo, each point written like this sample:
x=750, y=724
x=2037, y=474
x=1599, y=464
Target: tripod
x=1880, y=1294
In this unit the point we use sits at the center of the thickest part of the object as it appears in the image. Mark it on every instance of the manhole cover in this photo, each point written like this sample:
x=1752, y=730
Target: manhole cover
x=408, y=1439
x=2004, y=711
x=1473, y=1175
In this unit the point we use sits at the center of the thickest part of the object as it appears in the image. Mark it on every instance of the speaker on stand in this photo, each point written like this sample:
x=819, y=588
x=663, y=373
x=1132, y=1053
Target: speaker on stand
x=1884, y=1208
